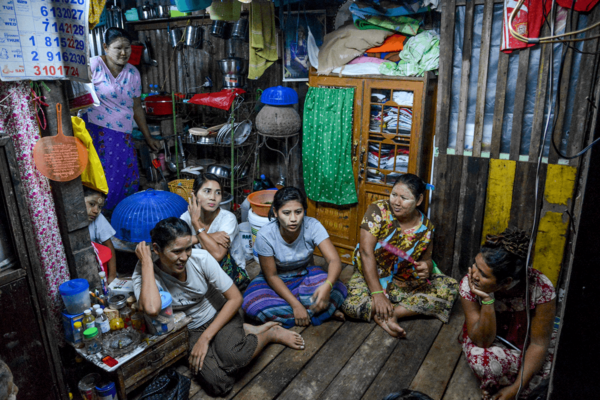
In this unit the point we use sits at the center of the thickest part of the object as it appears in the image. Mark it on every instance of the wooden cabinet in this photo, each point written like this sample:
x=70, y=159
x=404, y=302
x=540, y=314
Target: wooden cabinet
x=392, y=134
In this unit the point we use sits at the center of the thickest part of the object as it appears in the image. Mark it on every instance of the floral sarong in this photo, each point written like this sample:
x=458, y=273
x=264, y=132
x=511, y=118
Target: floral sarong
x=397, y=275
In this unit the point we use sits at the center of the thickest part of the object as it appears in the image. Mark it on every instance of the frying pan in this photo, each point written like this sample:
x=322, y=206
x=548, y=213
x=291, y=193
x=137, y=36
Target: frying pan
x=60, y=158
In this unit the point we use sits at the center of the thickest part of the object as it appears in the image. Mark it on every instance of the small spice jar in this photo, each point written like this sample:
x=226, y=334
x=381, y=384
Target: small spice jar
x=92, y=341
x=117, y=302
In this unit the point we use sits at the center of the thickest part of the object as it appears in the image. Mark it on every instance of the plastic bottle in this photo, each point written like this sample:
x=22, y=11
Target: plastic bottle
x=102, y=322
x=96, y=307
x=103, y=283
x=88, y=320
x=267, y=184
x=78, y=334
x=257, y=186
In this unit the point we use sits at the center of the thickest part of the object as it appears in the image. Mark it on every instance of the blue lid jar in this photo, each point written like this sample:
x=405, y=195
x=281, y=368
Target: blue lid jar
x=74, y=287
x=166, y=299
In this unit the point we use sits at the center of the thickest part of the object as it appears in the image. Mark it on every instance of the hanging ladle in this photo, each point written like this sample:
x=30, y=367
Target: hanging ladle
x=170, y=164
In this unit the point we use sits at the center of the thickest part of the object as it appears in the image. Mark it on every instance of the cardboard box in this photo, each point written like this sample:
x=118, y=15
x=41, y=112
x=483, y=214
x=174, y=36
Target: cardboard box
x=121, y=286
x=68, y=322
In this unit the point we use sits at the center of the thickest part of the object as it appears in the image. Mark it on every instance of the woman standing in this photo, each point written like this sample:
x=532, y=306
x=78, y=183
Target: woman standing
x=219, y=341
x=118, y=86
x=216, y=230
x=387, y=286
x=493, y=299
x=290, y=289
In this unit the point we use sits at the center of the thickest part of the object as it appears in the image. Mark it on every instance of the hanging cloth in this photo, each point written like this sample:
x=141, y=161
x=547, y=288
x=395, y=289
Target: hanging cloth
x=263, y=39
x=18, y=120
x=326, y=146
x=96, y=9
x=93, y=176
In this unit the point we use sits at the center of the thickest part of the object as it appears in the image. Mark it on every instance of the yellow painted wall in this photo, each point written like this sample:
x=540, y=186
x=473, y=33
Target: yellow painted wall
x=499, y=197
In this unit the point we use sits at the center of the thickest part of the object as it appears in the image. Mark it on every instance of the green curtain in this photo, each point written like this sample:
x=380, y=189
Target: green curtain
x=326, y=146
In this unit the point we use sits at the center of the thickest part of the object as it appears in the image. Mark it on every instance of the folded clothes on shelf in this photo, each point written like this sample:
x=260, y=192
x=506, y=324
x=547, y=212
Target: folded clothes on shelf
x=391, y=119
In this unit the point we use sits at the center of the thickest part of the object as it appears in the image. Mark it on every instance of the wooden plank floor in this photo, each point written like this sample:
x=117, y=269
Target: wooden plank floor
x=355, y=360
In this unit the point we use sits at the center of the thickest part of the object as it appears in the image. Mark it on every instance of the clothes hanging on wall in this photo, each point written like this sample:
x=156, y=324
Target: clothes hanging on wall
x=263, y=39
x=18, y=120
x=326, y=148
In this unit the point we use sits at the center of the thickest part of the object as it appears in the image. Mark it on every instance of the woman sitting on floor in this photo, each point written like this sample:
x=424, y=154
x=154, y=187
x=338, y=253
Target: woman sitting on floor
x=493, y=298
x=386, y=286
x=290, y=289
x=220, y=343
x=216, y=230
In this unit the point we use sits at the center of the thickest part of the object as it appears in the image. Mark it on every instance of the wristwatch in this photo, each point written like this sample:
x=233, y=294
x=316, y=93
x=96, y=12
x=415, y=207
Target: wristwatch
x=201, y=230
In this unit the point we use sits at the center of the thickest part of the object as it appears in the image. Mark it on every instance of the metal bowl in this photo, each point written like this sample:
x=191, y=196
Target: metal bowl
x=205, y=140
x=220, y=170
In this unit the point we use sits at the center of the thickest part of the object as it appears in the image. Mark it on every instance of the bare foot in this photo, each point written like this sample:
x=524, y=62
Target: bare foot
x=338, y=316
x=393, y=325
x=255, y=330
x=485, y=395
x=386, y=327
x=286, y=337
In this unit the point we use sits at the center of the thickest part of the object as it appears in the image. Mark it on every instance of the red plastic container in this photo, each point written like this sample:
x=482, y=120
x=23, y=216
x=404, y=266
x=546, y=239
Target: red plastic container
x=159, y=105
x=105, y=255
x=136, y=55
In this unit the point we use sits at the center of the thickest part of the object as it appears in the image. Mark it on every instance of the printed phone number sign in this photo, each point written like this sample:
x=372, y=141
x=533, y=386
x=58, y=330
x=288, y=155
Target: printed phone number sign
x=44, y=39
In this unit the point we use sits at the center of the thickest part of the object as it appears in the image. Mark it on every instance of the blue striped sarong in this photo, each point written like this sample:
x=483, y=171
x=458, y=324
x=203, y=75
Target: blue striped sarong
x=262, y=303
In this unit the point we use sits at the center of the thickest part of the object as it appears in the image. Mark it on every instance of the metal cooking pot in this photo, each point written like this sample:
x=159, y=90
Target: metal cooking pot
x=220, y=170
x=240, y=29
x=193, y=37
x=175, y=36
x=163, y=11
x=231, y=66
x=219, y=29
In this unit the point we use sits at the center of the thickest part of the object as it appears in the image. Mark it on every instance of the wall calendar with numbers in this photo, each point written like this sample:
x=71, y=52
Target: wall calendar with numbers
x=44, y=39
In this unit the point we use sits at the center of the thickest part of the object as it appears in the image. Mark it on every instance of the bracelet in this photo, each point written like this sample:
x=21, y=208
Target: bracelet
x=377, y=292
x=330, y=284
x=487, y=303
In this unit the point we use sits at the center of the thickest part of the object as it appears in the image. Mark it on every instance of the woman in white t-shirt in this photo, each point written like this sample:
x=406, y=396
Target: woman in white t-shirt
x=220, y=342
x=291, y=289
x=216, y=230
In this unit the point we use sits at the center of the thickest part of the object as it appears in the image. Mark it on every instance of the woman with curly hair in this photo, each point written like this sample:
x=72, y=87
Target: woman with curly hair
x=493, y=296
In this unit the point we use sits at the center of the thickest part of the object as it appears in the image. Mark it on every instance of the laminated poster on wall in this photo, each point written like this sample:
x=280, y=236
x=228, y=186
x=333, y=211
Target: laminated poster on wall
x=44, y=39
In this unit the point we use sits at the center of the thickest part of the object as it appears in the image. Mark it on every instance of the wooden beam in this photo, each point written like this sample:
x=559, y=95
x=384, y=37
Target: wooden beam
x=523, y=204
x=537, y=125
x=499, y=104
x=281, y=371
x=437, y=368
x=519, y=105
x=484, y=60
x=68, y=198
x=409, y=354
x=445, y=75
x=444, y=208
x=467, y=240
x=326, y=364
x=498, y=197
x=582, y=106
x=465, y=75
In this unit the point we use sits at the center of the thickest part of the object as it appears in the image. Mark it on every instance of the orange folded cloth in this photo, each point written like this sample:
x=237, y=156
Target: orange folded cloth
x=392, y=43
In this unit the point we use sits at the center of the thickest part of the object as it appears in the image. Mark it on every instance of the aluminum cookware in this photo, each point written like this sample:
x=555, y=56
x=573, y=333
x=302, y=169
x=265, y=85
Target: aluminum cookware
x=194, y=36
x=240, y=29
x=219, y=29
x=233, y=65
x=205, y=140
x=175, y=36
x=163, y=11
x=220, y=170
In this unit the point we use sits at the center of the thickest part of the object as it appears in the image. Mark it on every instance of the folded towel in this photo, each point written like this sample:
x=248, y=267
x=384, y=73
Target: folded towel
x=263, y=39
x=393, y=43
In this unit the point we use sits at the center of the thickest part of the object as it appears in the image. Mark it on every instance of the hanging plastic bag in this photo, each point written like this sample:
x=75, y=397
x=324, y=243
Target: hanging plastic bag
x=221, y=100
x=93, y=175
x=82, y=95
x=509, y=42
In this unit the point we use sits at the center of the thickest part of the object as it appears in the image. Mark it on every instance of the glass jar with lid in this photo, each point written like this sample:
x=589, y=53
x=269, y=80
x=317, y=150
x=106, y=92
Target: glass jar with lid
x=92, y=340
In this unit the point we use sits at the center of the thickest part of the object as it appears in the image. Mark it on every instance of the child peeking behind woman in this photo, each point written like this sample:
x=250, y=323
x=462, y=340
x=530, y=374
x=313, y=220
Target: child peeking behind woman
x=100, y=229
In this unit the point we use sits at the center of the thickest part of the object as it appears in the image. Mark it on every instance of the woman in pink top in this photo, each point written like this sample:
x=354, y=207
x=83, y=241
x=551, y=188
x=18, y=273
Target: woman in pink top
x=119, y=88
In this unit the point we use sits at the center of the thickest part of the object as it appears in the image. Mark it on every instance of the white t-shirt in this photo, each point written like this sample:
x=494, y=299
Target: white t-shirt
x=224, y=222
x=200, y=296
x=100, y=229
x=290, y=257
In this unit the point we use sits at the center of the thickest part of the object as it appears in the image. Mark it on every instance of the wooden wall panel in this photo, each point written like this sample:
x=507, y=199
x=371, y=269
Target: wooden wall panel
x=470, y=213
x=523, y=200
x=499, y=196
x=444, y=203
